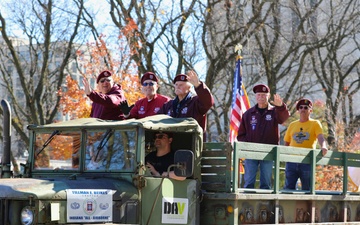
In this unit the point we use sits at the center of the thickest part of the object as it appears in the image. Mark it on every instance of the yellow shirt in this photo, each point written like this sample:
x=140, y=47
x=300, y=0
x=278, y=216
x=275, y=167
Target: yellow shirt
x=303, y=134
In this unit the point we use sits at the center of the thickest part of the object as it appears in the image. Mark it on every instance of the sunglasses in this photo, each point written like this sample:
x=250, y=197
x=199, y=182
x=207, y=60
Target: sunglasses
x=103, y=80
x=303, y=107
x=160, y=136
x=150, y=84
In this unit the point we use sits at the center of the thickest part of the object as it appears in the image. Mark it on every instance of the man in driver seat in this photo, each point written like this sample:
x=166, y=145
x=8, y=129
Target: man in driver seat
x=158, y=161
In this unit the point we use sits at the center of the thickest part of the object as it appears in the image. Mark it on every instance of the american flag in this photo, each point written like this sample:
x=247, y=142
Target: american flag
x=240, y=102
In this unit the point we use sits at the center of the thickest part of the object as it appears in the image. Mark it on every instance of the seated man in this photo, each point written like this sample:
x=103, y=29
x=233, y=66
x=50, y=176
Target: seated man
x=158, y=161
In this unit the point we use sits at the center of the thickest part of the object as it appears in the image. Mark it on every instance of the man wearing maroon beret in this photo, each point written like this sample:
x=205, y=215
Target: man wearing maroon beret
x=106, y=99
x=303, y=133
x=260, y=124
x=185, y=104
x=149, y=105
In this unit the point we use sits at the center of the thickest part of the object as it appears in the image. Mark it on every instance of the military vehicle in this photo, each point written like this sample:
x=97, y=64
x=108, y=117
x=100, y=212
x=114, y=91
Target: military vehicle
x=92, y=171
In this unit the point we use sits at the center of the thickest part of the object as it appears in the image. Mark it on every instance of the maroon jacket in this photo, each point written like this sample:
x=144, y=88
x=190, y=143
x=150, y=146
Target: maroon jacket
x=262, y=128
x=195, y=106
x=144, y=108
x=105, y=106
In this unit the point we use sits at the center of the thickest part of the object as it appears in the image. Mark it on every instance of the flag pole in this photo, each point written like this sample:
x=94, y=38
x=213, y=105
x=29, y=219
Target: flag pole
x=238, y=108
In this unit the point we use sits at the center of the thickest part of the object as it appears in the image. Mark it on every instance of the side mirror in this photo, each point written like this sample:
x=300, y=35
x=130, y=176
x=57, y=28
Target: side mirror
x=184, y=163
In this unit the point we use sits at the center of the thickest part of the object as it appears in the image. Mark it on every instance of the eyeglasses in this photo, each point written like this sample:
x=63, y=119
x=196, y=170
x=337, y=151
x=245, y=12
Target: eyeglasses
x=103, y=80
x=150, y=84
x=303, y=107
x=160, y=136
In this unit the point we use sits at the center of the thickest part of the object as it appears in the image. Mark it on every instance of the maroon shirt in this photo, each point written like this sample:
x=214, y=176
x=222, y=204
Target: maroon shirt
x=144, y=108
x=105, y=106
x=262, y=128
x=195, y=107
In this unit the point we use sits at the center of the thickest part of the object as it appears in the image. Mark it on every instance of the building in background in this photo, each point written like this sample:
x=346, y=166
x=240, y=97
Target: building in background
x=10, y=83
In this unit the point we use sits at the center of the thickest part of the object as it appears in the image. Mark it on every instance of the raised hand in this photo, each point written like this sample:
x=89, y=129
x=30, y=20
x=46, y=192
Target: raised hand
x=277, y=100
x=86, y=86
x=193, y=78
x=125, y=108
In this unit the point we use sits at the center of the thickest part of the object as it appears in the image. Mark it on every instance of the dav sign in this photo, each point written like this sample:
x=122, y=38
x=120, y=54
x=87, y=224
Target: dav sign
x=175, y=210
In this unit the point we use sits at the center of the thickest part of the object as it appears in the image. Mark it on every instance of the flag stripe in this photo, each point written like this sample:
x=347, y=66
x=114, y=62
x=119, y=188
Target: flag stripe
x=240, y=102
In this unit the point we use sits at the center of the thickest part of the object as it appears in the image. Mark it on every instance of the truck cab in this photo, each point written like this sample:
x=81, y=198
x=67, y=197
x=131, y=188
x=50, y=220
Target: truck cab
x=88, y=171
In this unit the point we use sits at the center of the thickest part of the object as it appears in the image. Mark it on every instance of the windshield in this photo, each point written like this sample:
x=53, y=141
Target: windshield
x=110, y=150
x=57, y=151
x=105, y=150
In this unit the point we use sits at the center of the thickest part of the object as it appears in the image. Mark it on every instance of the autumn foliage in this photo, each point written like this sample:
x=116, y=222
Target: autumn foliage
x=73, y=101
x=331, y=174
x=98, y=58
x=91, y=62
x=331, y=177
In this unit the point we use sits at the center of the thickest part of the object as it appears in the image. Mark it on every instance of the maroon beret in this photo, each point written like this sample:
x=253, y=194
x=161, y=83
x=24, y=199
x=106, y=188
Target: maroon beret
x=103, y=74
x=261, y=88
x=303, y=101
x=149, y=76
x=181, y=77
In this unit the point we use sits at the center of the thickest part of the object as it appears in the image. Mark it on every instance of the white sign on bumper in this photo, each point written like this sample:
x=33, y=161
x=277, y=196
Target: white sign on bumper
x=89, y=205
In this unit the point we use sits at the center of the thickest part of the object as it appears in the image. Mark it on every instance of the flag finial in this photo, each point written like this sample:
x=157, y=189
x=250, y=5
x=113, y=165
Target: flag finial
x=238, y=49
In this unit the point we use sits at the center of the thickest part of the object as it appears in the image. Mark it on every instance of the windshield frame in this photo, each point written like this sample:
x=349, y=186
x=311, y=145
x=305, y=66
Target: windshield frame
x=83, y=136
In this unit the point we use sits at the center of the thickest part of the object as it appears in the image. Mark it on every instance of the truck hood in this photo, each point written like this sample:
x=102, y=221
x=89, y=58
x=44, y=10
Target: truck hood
x=56, y=189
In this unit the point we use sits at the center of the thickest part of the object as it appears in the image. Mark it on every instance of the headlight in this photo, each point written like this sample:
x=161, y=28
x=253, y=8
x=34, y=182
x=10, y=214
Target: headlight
x=27, y=216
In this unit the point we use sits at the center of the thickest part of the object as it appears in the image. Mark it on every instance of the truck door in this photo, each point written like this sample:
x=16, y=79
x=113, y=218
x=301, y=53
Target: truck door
x=168, y=201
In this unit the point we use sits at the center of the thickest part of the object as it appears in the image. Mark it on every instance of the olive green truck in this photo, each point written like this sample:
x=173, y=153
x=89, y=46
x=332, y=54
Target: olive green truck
x=91, y=171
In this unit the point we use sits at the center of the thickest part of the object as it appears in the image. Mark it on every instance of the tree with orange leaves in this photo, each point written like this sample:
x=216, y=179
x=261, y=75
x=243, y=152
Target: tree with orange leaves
x=331, y=177
x=97, y=58
x=73, y=100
